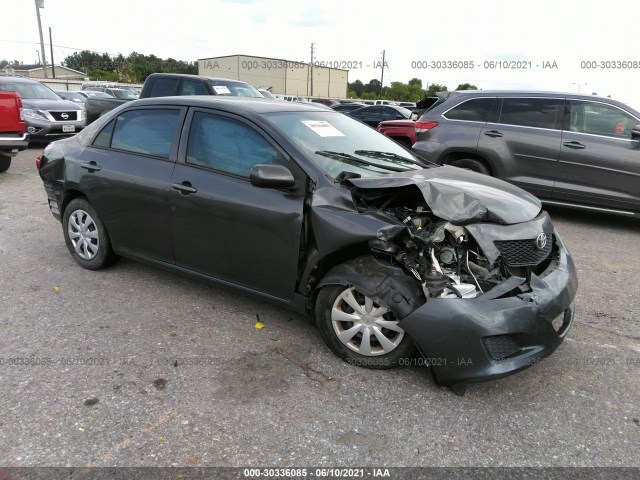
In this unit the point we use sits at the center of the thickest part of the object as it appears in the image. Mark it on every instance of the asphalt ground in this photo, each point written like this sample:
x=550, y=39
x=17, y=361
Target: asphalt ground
x=133, y=366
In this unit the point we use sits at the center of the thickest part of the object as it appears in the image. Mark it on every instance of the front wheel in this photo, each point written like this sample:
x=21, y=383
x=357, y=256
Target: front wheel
x=86, y=236
x=359, y=330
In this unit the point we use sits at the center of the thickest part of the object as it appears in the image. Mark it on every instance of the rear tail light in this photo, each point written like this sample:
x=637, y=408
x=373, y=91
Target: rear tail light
x=425, y=126
x=38, y=162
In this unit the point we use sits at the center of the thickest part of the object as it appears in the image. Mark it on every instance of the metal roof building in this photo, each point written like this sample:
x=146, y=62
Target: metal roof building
x=284, y=77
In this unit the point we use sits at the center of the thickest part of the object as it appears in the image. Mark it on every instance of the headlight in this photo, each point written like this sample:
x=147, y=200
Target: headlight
x=83, y=114
x=35, y=114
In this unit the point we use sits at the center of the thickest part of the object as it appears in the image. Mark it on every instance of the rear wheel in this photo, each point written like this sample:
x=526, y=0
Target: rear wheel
x=359, y=330
x=471, y=164
x=86, y=236
x=5, y=162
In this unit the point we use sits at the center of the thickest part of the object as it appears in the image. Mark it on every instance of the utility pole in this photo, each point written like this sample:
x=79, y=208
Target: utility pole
x=311, y=69
x=53, y=64
x=39, y=5
x=382, y=76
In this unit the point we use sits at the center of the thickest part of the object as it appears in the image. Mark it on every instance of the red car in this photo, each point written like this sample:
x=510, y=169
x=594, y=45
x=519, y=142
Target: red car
x=12, y=128
x=402, y=131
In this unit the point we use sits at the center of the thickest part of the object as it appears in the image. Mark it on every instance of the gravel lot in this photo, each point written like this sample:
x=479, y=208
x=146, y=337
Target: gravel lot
x=133, y=366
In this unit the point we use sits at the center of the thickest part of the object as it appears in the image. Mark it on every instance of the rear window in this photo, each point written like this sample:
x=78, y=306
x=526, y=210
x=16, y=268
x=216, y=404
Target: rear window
x=474, y=110
x=163, y=87
x=149, y=132
x=530, y=112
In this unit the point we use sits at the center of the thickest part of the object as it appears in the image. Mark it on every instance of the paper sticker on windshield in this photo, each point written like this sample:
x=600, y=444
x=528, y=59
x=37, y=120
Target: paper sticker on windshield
x=323, y=128
x=222, y=90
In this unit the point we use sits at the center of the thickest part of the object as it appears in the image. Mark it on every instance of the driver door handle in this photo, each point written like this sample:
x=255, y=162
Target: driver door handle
x=493, y=133
x=574, y=145
x=91, y=166
x=184, y=188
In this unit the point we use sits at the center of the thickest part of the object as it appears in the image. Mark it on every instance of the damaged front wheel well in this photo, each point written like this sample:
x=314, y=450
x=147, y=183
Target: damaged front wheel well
x=388, y=285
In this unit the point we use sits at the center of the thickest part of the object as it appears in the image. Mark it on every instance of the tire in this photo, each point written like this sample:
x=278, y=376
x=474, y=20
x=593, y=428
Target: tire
x=471, y=164
x=342, y=311
x=5, y=162
x=86, y=236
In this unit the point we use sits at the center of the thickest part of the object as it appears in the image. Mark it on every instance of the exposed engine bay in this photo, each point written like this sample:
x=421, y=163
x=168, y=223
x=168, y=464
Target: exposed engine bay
x=445, y=258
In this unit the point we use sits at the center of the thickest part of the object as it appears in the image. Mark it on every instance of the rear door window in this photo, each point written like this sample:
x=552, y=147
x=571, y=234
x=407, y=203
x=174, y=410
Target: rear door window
x=474, y=110
x=147, y=132
x=531, y=112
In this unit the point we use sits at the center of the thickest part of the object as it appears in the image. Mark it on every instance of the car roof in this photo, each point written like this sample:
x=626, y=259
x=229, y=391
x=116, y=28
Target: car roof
x=450, y=96
x=201, y=77
x=533, y=93
x=233, y=103
x=17, y=79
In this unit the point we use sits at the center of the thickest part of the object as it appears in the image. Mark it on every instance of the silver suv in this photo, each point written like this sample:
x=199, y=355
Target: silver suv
x=570, y=150
x=47, y=116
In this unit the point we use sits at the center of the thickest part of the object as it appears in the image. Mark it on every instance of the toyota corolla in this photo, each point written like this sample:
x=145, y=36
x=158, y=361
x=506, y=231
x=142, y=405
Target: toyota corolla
x=318, y=212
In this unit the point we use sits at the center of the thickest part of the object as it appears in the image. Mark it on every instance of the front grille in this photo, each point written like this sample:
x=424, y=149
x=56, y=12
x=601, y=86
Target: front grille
x=501, y=347
x=524, y=253
x=69, y=116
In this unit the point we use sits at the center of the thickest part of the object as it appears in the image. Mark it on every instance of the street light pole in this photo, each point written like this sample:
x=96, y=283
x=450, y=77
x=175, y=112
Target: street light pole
x=579, y=85
x=39, y=5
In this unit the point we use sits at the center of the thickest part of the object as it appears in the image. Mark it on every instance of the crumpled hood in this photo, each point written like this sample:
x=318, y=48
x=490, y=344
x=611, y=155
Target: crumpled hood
x=461, y=196
x=45, y=104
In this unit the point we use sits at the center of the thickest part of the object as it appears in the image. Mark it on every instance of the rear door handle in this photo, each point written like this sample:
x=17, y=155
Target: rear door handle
x=574, y=145
x=184, y=188
x=91, y=166
x=493, y=133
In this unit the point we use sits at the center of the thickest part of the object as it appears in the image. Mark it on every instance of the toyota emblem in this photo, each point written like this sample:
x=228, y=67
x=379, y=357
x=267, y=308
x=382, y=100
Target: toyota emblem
x=541, y=241
x=64, y=115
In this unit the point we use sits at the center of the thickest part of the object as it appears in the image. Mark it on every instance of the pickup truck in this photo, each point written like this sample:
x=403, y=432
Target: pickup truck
x=13, y=136
x=98, y=105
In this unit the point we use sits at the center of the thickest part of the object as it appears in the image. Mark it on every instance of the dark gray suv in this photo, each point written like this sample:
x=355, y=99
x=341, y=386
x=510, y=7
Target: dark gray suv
x=570, y=150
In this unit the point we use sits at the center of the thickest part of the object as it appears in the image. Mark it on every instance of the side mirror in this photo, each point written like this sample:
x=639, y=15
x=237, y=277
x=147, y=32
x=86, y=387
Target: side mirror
x=268, y=175
x=635, y=133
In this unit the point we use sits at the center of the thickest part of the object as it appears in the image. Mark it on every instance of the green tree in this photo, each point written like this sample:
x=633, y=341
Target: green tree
x=435, y=88
x=357, y=87
x=466, y=86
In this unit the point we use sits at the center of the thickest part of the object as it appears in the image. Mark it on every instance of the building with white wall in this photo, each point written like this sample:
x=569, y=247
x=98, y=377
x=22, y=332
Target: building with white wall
x=282, y=77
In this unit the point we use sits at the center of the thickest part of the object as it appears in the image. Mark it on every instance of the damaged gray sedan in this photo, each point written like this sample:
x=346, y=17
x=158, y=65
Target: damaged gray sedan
x=313, y=210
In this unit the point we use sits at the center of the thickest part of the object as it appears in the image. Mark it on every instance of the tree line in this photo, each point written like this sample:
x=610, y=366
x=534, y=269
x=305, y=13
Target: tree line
x=401, y=92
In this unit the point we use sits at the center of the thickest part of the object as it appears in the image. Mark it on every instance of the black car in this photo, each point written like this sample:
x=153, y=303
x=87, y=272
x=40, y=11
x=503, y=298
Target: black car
x=374, y=114
x=71, y=96
x=168, y=84
x=347, y=107
x=313, y=210
x=570, y=150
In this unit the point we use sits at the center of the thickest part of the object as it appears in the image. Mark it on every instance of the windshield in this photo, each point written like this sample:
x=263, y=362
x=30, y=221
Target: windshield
x=337, y=144
x=30, y=90
x=235, y=89
x=125, y=94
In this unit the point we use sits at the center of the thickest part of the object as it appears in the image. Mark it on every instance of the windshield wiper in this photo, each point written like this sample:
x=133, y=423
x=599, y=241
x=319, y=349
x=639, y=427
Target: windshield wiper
x=392, y=157
x=346, y=158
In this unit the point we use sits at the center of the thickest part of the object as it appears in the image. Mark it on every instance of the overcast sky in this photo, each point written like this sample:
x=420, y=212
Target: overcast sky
x=544, y=32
